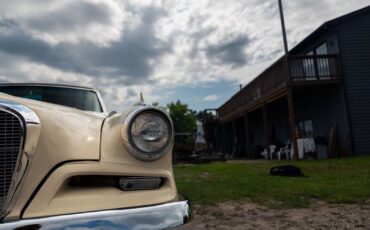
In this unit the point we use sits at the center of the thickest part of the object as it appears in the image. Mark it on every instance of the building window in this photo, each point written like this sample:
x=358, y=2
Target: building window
x=306, y=128
x=322, y=49
x=319, y=65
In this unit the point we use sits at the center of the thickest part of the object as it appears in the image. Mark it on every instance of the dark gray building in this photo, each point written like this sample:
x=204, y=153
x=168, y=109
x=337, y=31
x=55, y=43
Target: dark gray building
x=320, y=90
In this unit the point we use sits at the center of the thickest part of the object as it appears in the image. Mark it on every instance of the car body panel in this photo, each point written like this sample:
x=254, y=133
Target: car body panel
x=66, y=134
x=56, y=197
x=114, y=151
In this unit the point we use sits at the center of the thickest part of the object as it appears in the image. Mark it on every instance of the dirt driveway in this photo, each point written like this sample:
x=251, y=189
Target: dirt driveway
x=246, y=215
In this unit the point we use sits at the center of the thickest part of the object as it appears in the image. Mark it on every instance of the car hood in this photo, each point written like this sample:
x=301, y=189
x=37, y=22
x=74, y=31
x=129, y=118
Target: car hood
x=65, y=128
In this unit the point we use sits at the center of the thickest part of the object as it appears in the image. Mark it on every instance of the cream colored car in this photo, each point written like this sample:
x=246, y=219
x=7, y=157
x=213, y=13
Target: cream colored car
x=66, y=163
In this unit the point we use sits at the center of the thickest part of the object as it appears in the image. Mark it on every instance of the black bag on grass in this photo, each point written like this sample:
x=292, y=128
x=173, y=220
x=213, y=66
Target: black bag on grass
x=286, y=170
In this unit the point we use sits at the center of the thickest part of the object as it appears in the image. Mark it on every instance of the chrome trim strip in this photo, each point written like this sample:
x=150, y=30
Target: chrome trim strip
x=104, y=108
x=28, y=115
x=126, y=133
x=163, y=216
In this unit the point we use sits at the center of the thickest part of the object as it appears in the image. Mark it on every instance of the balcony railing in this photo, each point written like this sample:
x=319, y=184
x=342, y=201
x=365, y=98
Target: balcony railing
x=319, y=67
x=296, y=69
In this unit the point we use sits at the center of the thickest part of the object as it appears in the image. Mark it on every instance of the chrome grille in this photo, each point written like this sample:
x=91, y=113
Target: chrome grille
x=10, y=144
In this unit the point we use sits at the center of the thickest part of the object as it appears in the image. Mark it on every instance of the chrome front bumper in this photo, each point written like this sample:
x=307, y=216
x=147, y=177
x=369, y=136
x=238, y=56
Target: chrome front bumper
x=162, y=216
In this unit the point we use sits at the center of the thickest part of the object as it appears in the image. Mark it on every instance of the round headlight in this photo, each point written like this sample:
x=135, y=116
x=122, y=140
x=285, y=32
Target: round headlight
x=149, y=134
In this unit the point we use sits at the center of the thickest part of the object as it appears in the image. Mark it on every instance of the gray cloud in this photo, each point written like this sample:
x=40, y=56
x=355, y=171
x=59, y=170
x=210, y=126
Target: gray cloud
x=19, y=43
x=96, y=21
x=83, y=14
x=197, y=38
x=132, y=55
x=127, y=61
x=7, y=23
x=230, y=52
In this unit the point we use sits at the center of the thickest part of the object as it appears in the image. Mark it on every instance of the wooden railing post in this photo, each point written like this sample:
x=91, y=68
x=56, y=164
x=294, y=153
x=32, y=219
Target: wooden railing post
x=316, y=67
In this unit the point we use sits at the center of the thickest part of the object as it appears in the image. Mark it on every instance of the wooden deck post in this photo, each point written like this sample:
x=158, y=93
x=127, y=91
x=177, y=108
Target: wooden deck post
x=246, y=132
x=235, y=139
x=267, y=133
x=223, y=138
x=292, y=123
x=235, y=134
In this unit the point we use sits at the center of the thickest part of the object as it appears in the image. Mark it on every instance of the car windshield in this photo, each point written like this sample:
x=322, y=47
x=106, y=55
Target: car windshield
x=82, y=99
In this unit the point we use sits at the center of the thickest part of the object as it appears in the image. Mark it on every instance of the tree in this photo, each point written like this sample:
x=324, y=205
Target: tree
x=184, y=119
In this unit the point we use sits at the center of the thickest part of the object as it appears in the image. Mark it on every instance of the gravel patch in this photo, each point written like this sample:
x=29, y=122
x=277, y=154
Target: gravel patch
x=246, y=215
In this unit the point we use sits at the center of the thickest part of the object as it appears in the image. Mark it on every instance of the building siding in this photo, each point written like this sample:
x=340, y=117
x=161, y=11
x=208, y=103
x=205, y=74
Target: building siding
x=278, y=122
x=323, y=105
x=354, y=43
x=326, y=106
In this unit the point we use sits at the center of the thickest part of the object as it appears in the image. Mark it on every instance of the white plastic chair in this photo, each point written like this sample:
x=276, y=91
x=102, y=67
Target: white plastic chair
x=272, y=150
x=264, y=153
x=284, y=150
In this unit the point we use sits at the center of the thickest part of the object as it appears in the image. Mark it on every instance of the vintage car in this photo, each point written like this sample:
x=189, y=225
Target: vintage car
x=65, y=163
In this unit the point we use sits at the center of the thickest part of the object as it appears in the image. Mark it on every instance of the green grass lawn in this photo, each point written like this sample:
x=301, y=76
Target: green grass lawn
x=338, y=181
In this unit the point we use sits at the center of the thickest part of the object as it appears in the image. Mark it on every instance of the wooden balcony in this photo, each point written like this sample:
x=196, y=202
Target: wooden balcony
x=274, y=81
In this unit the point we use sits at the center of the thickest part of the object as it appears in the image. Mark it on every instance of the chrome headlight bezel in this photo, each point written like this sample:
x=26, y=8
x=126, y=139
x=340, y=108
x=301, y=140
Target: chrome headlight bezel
x=129, y=143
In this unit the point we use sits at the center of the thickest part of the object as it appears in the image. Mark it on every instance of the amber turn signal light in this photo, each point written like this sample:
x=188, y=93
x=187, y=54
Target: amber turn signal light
x=139, y=183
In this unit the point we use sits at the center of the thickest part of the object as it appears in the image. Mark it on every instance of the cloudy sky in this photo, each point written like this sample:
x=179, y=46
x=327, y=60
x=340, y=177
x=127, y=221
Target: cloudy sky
x=197, y=51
